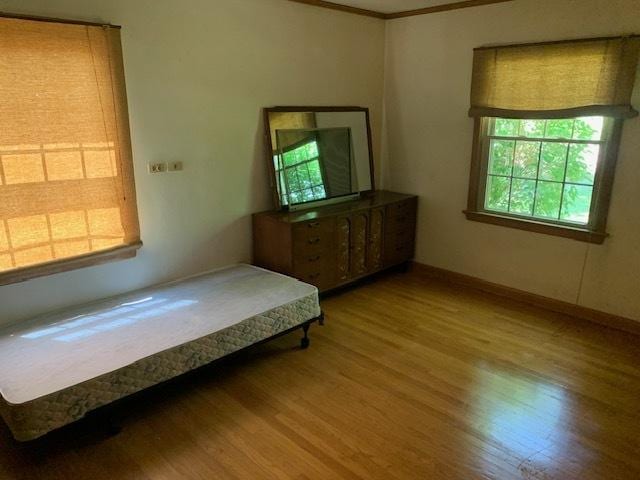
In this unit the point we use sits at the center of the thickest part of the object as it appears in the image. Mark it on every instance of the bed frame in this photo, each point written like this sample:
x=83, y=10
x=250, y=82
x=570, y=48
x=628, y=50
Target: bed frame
x=56, y=369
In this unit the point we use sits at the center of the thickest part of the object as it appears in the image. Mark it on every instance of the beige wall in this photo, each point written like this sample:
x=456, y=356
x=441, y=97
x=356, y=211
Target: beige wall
x=428, y=150
x=198, y=72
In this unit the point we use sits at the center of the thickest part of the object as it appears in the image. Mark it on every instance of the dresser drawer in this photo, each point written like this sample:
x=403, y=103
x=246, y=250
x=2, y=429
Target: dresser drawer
x=399, y=253
x=313, y=237
x=402, y=236
x=313, y=261
x=317, y=272
x=402, y=214
x=400, y=231
x=313, y=228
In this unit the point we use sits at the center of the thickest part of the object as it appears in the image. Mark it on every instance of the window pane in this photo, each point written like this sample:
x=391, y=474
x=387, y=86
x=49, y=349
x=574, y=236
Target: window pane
x=526, y=159
x=522, y=194
x=497, y=195
x=552, y=161
x=576, y=203
x=548, y=197
x=314, y=172
x=319, y=192
x=506, y=127
x=532, y=128
x=501, y=157
x=283, y=187
x=559, y=128
x=311, y=150
x=292, y=179
x=296, y=197
x=308, y=195
x=289, y=158
x=588, y=128
x=23, y=168
x=303, y=176
x=300, y=154
x=582, y=163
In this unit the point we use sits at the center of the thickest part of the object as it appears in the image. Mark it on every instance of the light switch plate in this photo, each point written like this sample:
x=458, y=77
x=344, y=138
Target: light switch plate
x=175, y=166
x=157, y=167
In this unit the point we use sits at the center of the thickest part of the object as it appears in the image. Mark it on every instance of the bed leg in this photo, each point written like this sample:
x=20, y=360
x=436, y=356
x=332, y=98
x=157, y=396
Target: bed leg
x=113, y=427
x=112, y=421
x=321, y=319
x=304, y=343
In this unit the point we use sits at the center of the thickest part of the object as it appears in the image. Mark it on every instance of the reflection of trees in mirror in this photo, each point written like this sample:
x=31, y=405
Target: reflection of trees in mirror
x=543, y=168
x=300, y=175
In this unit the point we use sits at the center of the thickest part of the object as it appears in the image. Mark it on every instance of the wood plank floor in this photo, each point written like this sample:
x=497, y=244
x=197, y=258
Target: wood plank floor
x=409, y=379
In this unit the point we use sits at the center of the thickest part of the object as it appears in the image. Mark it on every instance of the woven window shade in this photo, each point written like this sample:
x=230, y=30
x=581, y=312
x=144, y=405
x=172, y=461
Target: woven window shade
x=556, y=80
x=66, y=173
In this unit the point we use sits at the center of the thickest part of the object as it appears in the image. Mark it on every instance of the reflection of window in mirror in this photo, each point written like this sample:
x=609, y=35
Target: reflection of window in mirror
x=318, y=156
x=298, y=170
x=314, y=165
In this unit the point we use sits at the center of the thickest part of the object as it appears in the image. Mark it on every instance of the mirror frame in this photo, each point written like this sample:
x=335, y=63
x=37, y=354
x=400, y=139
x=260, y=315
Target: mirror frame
x=272, y=171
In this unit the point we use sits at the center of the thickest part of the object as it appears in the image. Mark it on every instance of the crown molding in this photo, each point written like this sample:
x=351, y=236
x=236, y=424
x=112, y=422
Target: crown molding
x=343, y=8
x=442, y=8
x=407, y=13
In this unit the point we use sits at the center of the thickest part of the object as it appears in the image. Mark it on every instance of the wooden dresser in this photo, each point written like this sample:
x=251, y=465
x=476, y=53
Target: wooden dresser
x=334, y=245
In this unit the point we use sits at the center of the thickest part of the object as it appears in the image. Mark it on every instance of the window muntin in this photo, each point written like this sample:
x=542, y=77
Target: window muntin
x=545, y=170
x=302, y=174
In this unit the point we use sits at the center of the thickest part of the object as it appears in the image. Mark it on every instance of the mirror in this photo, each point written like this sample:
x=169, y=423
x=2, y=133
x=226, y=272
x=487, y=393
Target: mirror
x=318, y=155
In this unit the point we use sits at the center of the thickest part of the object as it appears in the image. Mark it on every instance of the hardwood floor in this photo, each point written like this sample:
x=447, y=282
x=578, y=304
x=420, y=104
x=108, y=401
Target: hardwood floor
x=410, y=378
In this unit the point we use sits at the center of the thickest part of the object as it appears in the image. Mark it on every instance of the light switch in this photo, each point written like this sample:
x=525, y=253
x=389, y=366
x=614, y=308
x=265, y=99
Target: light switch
x=157, y=167
x=175, y=166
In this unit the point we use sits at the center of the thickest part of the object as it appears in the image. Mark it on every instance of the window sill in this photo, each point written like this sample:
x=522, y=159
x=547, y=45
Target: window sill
x=64, y=265
x=580, y=234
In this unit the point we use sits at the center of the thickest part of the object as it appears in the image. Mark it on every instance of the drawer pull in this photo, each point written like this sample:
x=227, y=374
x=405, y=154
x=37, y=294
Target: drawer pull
x=314, y=259
x=313, y=224
x=313, y=276
x=314, y=241
x=400, y=248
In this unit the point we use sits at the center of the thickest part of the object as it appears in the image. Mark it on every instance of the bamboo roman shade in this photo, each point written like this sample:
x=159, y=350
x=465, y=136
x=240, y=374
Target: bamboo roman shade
x=66, y=173
x=556, y=80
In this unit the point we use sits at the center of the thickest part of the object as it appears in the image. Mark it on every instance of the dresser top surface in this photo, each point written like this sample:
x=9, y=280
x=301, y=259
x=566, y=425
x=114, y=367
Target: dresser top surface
x=379, y=198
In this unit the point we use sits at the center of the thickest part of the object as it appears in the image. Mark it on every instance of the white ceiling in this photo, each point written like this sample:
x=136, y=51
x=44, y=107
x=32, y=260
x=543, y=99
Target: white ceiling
x=393, y=6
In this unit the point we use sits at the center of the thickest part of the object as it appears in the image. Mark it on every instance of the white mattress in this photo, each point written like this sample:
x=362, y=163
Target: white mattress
x=50, y=356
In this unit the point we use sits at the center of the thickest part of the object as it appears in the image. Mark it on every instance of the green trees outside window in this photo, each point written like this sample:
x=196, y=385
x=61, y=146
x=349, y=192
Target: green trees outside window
x=302, y=174
x=543, y=169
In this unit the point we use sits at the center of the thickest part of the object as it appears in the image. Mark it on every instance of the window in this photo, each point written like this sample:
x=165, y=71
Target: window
x=67, y=196
x=544, y=169
x=302, y=174
x=548, y=122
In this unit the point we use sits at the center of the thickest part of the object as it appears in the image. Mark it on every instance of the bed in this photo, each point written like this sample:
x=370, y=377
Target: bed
x=56, y=368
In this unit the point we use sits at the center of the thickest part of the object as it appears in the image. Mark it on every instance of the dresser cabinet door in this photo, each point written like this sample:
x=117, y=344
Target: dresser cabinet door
x=343, y=247
x=359, y=236
x=376, y=234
